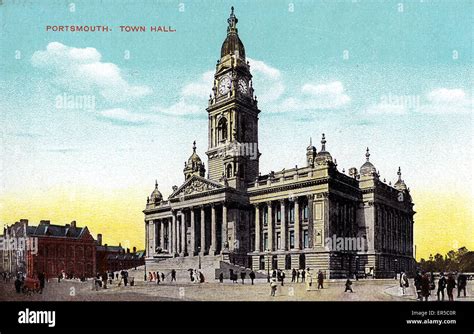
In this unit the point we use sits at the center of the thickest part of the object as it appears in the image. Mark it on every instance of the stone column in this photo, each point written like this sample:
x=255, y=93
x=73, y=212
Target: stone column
x=151, y=236
x=297, y=224
x=203, y=230
x=192, y=247
x=224, y=239
x=162, y=235
x=173, y=234
x=310, y=221
x=270, y=226
x=257, y=228
x=283, y=225
x=183, y=233
x=147, y=241
x=212, y=248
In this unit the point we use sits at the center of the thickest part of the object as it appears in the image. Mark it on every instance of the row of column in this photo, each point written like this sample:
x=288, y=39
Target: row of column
x=396, y=230
x=283, y=225
x=172, y=232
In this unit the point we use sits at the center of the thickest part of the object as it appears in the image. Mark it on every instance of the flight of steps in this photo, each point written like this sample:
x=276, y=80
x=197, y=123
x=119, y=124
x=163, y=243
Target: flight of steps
x=211, y=267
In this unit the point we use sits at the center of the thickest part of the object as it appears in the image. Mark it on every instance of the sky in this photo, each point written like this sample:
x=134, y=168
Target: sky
x=89, y=120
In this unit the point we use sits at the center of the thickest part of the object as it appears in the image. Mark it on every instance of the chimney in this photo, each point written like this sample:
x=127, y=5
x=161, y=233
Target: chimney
x=134, y=249
x=128, y=250
x=99, y=239
x=45, y=222
x=73, y=224
x=24, y=221
x=353, y=172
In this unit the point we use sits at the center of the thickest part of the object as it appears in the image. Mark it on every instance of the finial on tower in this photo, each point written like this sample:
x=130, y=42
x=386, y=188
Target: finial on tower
x=323, y=143
x=232, y=20
x=399, y=173
x=367, y=154
x=194, y=146
x=156, y=184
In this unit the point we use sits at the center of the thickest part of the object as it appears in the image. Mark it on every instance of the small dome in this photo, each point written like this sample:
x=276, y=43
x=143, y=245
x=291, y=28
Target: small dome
x=311, y=148
x=323, y=155
x=232, y=43
x=400, y=184
x=367, y=168
x=156, y=195
x=194, y=158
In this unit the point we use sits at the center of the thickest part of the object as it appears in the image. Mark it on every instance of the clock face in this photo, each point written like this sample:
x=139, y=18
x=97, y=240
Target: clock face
x=224, y=85
x=243, y=86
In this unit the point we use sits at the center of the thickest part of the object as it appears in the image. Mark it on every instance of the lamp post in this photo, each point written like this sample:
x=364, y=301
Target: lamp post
x=144, y=276
x=199, y=256
x=396, y=268
x=268, y=265
x=357, y=266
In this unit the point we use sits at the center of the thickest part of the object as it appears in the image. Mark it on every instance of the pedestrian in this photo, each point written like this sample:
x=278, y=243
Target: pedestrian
x=462, y=283
x=293, y=275
x=252, y=276
x=425, y=286
x=282, y=277
x=273, y=286
x=18, y=284
x=450, y=285
x=162, y=277
x=221, y=277
x=303, y=274
x=191, y=275
x=157, y=278
x=125, y=278
x=153, y=276
x=348, y=285
x=111, y=277
x=201, y=277
x=59, y=277
x=117, y=276
x=418, y=279
x=403, y=282
x=173, y=275
x=242, y=276
x=309, y=279
x=441, y=286
x=320, y=280
x=297, y=276
x=104, y=280
x=41, y=278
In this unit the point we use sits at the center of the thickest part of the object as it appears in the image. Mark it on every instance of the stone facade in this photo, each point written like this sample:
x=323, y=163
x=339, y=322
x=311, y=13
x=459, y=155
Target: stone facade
x=313, y=216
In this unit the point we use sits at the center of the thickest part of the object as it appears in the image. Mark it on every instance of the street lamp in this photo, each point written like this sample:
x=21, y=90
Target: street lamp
x=357, y=266
x=199, y=256
x=268, y=265
x=396, y=268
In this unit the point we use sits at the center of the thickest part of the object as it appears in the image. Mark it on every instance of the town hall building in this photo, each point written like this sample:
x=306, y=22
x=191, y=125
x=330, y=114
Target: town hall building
x=311, y=216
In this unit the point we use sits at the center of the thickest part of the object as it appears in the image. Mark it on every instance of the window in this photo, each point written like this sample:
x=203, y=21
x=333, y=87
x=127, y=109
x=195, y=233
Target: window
x=278, y=214
x=291, y=214
x=278, y=235
x=265, y=216
x=305, y=239
x=305, y=211
x=222, y=130
x=265, y=241
x=229, y=171
x=292, y=239
x=262, y=262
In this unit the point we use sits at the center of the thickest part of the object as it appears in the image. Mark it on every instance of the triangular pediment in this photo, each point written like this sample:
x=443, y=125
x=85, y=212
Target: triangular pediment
x=195, y=185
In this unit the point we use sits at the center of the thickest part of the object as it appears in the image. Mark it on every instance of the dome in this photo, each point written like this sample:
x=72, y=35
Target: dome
x=194, y=158
x=232, y=43
x=367, y=168
x=194, y=166
x=311, y=148
x=400, y=184
x=323, y=156
x=156, y=195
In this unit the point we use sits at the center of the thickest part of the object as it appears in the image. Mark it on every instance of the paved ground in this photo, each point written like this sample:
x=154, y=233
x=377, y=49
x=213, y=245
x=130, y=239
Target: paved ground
x=364, y=290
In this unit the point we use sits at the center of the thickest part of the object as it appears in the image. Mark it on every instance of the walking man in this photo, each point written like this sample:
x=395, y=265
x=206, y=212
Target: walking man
x=441, y=287
x=320, y=280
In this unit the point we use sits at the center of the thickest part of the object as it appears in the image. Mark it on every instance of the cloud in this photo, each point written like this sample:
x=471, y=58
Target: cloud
x=266, y=80
x=314, y=96
x=447, y=101
x=201, y=88
x=182, y=108
x=120, y=116
x=81, y=69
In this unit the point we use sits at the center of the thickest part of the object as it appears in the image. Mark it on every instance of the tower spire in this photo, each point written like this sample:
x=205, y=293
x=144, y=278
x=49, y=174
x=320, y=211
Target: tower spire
x=232, y=20
x=194, y=146
x=156, y=184
x=399, y=173
x=367, y=154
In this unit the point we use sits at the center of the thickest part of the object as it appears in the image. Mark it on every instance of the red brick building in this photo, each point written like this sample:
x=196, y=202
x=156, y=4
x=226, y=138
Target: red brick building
x=116, y=258
x=69, y=249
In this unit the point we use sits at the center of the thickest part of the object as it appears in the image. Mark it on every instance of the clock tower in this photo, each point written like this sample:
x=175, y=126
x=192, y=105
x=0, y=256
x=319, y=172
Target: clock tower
x=233, y=116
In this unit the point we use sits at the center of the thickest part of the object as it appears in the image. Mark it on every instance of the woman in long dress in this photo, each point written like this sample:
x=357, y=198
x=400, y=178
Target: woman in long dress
x=309, y=280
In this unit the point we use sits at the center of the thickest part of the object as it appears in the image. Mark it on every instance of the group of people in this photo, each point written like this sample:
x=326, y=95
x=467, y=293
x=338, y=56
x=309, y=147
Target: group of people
x=233, y=276
x=425, y=283
x=303, y=275
x=107, y=277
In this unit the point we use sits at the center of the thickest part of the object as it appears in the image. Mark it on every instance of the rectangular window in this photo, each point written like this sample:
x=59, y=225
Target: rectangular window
x=278, y=214
x=278, y=235
x=265, y=216
x=292, y=239
x=305, y=212
x=291, y=214
x=265, y=241
x=305, y=239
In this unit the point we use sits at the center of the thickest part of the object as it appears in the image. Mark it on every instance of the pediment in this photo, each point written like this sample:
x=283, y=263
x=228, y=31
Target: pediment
x=195, y=185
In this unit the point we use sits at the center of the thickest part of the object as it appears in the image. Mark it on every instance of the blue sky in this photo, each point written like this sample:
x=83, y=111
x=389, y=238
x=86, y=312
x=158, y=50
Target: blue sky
x=338, y=67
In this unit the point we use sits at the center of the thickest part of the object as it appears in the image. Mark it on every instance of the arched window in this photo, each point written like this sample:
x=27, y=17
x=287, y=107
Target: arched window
x=222, y=129
x=229, y=171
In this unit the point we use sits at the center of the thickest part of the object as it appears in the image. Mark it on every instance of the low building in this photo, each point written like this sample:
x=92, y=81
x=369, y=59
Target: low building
x=116, y=258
